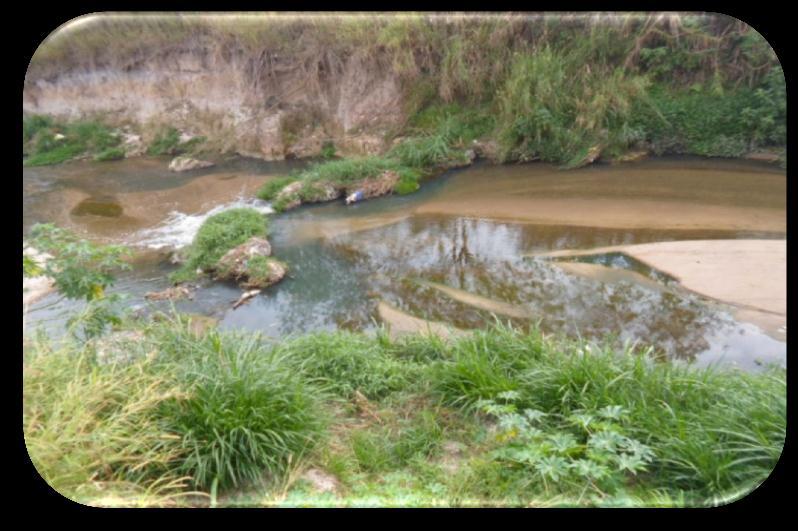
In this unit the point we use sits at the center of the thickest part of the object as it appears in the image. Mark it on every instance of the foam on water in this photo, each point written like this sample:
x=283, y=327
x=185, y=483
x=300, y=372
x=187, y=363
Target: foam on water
x=179, y=228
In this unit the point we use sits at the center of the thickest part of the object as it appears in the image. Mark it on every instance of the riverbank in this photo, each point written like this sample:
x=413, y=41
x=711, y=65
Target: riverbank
x=373, y=421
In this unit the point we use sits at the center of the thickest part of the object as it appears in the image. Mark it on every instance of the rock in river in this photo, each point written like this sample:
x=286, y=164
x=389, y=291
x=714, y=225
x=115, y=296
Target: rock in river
x=251, y=265
x=187, y=163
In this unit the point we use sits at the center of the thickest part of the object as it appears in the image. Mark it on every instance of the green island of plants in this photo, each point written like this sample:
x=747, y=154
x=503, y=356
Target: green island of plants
x=217, y=235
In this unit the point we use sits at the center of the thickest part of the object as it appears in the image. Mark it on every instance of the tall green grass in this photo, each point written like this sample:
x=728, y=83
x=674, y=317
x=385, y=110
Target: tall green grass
x=165, y=412
x=346, y=363
x=247, y=414
x=553, y=107
x=91, y=429
x=712, y=430
x=544, y=420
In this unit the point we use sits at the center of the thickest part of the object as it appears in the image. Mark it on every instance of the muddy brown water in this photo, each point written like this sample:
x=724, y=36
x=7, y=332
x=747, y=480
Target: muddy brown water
x=450, y=252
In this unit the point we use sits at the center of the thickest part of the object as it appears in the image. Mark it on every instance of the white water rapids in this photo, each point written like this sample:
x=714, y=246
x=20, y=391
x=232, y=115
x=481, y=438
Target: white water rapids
x=178, y=229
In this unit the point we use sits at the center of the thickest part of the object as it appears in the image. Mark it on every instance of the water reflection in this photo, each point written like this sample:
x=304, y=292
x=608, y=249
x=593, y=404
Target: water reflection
x=344, y=260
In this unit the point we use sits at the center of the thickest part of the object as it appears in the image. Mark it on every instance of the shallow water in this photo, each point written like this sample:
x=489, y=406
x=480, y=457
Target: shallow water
x=453, y=251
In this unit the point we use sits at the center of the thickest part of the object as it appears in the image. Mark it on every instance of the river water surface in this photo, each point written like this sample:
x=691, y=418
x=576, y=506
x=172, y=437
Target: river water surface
x=455, y=252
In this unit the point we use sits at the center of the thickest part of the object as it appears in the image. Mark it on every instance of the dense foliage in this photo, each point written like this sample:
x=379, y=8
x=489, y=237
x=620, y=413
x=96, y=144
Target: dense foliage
x=536, y=418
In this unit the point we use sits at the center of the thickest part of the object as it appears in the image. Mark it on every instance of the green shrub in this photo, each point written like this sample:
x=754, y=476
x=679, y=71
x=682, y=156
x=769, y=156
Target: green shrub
x=217, y=235
x=31, y=125
x=79, y=268
x=165, y=142
x=701, y=122
x=328, y=150
x=80, y=138
x=247, y=415
x=551, y=107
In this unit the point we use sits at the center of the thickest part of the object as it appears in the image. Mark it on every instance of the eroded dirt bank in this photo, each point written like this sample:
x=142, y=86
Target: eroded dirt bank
x=273, y=107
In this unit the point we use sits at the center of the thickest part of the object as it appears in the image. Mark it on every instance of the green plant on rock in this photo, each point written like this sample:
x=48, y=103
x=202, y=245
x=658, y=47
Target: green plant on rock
x=217, y=235
x=271, y=188
x=408, y=182
x=258, y=271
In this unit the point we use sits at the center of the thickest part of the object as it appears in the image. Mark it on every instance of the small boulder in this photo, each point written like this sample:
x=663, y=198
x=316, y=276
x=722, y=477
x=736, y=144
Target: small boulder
x=182, y=163
x=132, y=144
x=236, y=258
x=290, y=194
x=486, y=149
x=272, y=273
x=250, y=265
x=322, y=192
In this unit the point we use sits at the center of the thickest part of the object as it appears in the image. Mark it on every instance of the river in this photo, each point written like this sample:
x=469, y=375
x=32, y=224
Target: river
x=456, y=252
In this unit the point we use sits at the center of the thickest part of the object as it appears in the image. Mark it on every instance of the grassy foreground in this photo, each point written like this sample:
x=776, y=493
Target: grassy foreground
x=162, y=415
